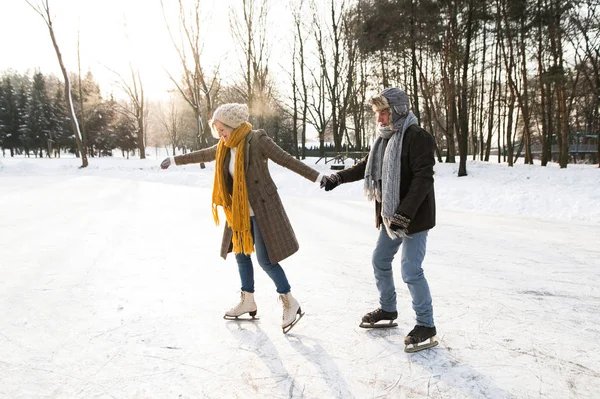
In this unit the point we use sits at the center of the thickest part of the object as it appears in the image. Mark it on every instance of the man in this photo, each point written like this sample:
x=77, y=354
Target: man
x=398, y=174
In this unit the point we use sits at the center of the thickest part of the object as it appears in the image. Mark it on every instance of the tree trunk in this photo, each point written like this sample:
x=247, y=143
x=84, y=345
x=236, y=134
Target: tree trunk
x=491, y=105
x=482, y=95
x=295, y=105
x=304, y=89
x=413, y=52
x=46, y=15
x=542, y=82
x=463, y=110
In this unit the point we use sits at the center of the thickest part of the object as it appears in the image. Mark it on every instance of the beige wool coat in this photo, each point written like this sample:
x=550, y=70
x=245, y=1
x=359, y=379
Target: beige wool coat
x=274, y=225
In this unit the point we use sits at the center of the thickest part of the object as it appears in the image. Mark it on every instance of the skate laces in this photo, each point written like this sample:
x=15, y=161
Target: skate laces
x=375, y=312
x=421, y=333
x=237, y=307
x=284, y=300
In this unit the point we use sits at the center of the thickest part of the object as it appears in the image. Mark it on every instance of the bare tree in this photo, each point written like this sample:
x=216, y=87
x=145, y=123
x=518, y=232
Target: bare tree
x=43, y=9
x=303, y=85
x=172, y=123
x=295, y=99
x=197, y=88
x=557, y=12
x=319, y=117
x=250, y=33
x=329, y=39
x=136, y=110
x=588, y=53
x=82, y=115
x=463, y=138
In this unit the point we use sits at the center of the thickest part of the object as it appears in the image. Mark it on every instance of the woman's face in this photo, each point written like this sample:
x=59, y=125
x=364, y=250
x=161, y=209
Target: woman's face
x=223, y=130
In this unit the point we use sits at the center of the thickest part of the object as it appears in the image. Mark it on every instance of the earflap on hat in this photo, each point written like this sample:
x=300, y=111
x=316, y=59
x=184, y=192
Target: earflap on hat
x=399, y=104
x=398, y=100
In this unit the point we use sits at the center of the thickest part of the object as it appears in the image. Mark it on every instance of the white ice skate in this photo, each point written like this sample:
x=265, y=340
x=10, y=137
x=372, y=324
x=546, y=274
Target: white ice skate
x=246, y=305
x=292, y=313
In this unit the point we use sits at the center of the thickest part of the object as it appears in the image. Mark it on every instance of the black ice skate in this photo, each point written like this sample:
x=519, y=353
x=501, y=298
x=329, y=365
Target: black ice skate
x=415, y=340
x=372, y=319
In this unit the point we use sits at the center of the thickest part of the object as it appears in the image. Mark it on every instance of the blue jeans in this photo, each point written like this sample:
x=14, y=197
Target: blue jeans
x=413, y=253
x=274, y=270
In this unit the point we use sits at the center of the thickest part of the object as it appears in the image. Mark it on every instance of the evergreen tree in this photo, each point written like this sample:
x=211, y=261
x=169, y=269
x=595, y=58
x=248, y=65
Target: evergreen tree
x=39, y=114
x=22, y=122
x=125, y=135
x=3, y=117
x=99, y=129
x=60, y=127
x=10, y=117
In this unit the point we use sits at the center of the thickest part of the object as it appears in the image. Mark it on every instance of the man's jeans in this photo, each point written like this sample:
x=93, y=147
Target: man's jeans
x=275, y=271
x=413, y=253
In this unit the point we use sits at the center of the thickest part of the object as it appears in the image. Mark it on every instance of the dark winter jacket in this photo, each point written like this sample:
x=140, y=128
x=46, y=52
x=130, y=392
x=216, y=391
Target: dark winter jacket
x=417, y=198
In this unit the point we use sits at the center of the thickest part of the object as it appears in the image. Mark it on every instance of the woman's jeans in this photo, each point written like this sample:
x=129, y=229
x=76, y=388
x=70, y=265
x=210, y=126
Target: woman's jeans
x=413, y=253
x=274, y=270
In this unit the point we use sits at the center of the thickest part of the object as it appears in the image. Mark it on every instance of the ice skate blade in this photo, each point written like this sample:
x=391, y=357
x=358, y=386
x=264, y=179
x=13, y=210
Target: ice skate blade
x=380, y=325
x=243, y=317
x=412, y=348
x=287, y=328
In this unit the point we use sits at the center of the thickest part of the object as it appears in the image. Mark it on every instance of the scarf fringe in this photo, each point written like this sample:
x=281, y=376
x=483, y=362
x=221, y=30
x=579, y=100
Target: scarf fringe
x=383, y=169
x=242, y=240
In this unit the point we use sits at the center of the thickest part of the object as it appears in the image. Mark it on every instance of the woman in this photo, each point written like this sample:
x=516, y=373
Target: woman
x=255, y=217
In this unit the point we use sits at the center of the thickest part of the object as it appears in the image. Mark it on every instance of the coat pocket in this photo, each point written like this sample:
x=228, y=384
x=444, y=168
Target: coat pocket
x=271, y=189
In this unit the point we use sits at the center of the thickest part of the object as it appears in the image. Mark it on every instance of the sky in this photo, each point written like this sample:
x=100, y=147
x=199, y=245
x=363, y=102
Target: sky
x=113, y=34
x=111, y=286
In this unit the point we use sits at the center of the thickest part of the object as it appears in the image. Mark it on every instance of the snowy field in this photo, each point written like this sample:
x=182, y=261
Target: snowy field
x=111, y=287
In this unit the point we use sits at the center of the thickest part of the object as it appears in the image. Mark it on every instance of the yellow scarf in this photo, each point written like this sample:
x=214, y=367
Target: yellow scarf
x=236, y=206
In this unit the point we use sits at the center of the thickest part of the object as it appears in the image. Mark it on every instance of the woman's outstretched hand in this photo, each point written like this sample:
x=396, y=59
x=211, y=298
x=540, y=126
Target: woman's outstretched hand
x=166, y=163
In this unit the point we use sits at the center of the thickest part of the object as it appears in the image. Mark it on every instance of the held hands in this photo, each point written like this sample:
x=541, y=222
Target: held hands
x=330, y=182
x=166, y=163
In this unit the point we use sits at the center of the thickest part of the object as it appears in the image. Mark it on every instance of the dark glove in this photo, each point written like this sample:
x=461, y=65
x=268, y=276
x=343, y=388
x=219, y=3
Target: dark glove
x=400, y=222
x=330, y=182
x=166, y=163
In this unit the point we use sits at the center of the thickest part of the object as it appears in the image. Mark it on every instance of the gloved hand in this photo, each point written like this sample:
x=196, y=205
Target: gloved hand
x=399, y=222
x=166, y=163
x=330, y=182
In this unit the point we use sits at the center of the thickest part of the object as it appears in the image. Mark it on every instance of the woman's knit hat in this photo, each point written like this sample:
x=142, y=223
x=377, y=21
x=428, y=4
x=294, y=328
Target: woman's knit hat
x=232, y=114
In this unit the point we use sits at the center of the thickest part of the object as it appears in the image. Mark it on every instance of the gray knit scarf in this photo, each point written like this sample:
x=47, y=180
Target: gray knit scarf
x=382, y=173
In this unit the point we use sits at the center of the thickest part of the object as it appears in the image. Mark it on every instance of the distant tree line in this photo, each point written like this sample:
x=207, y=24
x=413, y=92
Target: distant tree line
x=485, y=74
x=509, y=74
x=517, y=72
x=35, y=122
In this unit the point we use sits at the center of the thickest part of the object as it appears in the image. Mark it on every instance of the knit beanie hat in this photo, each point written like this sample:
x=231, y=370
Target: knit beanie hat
x=398, y=100
x=232, y=114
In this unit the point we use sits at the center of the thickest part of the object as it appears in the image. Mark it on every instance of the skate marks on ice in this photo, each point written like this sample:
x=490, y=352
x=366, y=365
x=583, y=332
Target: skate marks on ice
x=436, y=372
x=279, y=371
x=314, y=352
x=253, y=343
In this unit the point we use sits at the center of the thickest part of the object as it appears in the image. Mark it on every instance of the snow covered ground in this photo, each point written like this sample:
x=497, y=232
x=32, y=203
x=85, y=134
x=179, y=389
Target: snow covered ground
x=111, y=286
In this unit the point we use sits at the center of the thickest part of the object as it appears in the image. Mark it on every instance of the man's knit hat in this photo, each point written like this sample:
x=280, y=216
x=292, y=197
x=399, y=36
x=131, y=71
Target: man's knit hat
x=397, y=101
x=232, y=114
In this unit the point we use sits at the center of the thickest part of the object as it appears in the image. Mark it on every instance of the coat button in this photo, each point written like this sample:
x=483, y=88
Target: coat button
x=263, y=201
x=256, y=181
